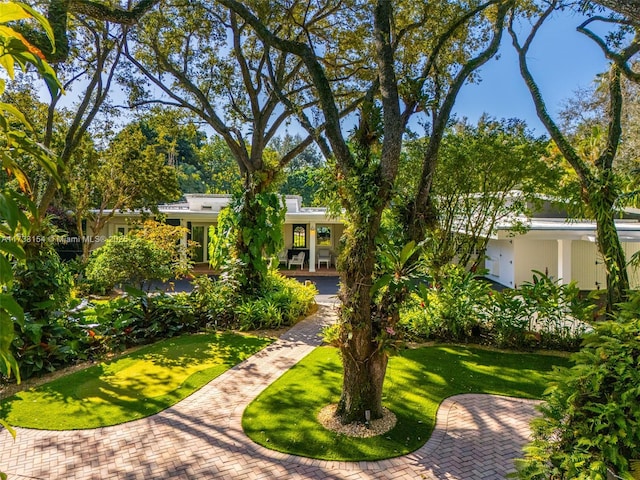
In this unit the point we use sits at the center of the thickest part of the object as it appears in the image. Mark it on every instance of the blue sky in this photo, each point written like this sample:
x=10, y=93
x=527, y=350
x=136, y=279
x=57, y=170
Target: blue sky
x=561, y=60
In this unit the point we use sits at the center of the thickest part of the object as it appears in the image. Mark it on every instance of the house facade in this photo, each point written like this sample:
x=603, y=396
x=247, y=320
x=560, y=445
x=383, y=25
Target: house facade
x=565, y=250
x=307, y=229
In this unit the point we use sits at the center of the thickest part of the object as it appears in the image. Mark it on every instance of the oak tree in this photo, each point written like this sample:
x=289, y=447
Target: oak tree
x=418, y=57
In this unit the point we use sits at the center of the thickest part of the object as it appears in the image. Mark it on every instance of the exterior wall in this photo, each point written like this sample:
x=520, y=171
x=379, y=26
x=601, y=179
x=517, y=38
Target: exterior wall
x=587, y=267
x=540, y=255
x=499, y=262
x=288, y=235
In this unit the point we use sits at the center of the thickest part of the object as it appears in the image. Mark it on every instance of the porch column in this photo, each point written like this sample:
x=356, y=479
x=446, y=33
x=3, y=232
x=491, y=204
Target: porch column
x=184, y=241
x=564, y=261
x=312, y=247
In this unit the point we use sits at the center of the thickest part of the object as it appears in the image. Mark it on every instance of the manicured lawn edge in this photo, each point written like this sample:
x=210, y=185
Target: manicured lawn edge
x=283, y=417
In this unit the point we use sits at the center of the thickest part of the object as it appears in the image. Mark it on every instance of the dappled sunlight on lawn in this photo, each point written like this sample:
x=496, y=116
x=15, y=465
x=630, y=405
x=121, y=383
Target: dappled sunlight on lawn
x=137, y=385
x=283, y=417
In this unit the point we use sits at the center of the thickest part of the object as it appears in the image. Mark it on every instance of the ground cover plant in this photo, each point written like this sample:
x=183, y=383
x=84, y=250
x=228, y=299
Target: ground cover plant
x=89, y=330
x=283, y=417
x=133, y=386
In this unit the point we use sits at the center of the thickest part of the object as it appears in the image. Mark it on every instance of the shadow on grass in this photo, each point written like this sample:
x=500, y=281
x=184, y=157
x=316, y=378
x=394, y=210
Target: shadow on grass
x=283, y=417
x=134, y=386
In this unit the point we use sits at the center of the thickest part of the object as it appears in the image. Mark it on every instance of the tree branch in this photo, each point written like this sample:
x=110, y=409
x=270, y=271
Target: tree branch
x=563, y=144
x=620, y=59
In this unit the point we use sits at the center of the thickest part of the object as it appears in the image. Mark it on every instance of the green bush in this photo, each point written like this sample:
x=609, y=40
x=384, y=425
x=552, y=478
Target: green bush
x=128, y=260
x=45, y=340
x=590, y=427
x=452, y=310
x=45, y=345
x=42, y=283
x=541, y=313
x=280, y=302
x=214, y=301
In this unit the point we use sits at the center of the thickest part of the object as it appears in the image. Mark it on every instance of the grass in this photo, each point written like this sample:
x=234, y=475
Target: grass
x=283, y=417
x=134, y=386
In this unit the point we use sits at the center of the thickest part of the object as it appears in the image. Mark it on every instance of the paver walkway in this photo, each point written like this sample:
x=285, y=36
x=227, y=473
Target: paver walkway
x=476, y=436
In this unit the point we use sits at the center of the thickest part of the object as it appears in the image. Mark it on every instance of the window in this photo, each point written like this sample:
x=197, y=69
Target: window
x=323, y=236
x=299, y=236
x=121, y=230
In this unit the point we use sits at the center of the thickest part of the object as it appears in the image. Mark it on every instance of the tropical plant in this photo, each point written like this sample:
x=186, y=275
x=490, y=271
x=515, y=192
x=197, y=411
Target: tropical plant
x=541, y=313
x=590, y=427
x=248, y=233
x=281, y=301
x=453, y=309
x=42, y=283
x=15, y=49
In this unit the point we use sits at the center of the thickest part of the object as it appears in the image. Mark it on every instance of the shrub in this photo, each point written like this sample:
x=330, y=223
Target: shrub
x=214, y=301
x=454, y=309
x=137, y=319
x=168, y=238
x=127, y=260
x=591, y=419
x=281, y=301
x=43, y=346
x=541, y=313
x=42, y=283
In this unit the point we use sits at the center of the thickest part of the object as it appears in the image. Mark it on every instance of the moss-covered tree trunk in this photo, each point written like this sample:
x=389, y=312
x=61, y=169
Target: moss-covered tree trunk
x=364, y=362
x=259, y=220
x=609, y=244
x=253, y=265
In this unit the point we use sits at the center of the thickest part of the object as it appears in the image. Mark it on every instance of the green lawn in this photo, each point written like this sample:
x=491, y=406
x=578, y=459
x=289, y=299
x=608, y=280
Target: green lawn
x=133, y=386
x=283, y=417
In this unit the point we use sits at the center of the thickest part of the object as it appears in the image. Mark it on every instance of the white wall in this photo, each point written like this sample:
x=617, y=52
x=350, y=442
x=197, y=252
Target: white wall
x=587, y=267
x=634, y=273
x=540, y=255
x=499, y=262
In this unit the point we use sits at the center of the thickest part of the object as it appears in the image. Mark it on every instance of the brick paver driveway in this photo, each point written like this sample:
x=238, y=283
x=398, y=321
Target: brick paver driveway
x=476, y=437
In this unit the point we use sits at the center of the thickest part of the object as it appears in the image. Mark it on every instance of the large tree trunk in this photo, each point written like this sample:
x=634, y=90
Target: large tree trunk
x=259, y=226
x=245, y=247
x=611, y=250
x=364, y=362
x=365, y=367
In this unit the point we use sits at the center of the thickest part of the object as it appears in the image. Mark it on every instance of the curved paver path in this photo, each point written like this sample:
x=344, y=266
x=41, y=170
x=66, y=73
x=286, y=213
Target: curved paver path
x=476, y=436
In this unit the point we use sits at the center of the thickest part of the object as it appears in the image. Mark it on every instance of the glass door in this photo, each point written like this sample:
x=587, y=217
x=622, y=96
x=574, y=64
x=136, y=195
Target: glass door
x=199, y=234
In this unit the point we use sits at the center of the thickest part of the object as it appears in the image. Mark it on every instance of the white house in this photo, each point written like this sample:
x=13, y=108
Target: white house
x=565, y=250
x=306, y=229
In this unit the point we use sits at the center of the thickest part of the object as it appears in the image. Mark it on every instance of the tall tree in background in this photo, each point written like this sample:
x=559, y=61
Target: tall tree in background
x=131, y=173
x=600, y=187
x=418, y=57
x=88, y=37
x=206, y=60
x=487, y=173
x=303, y=172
